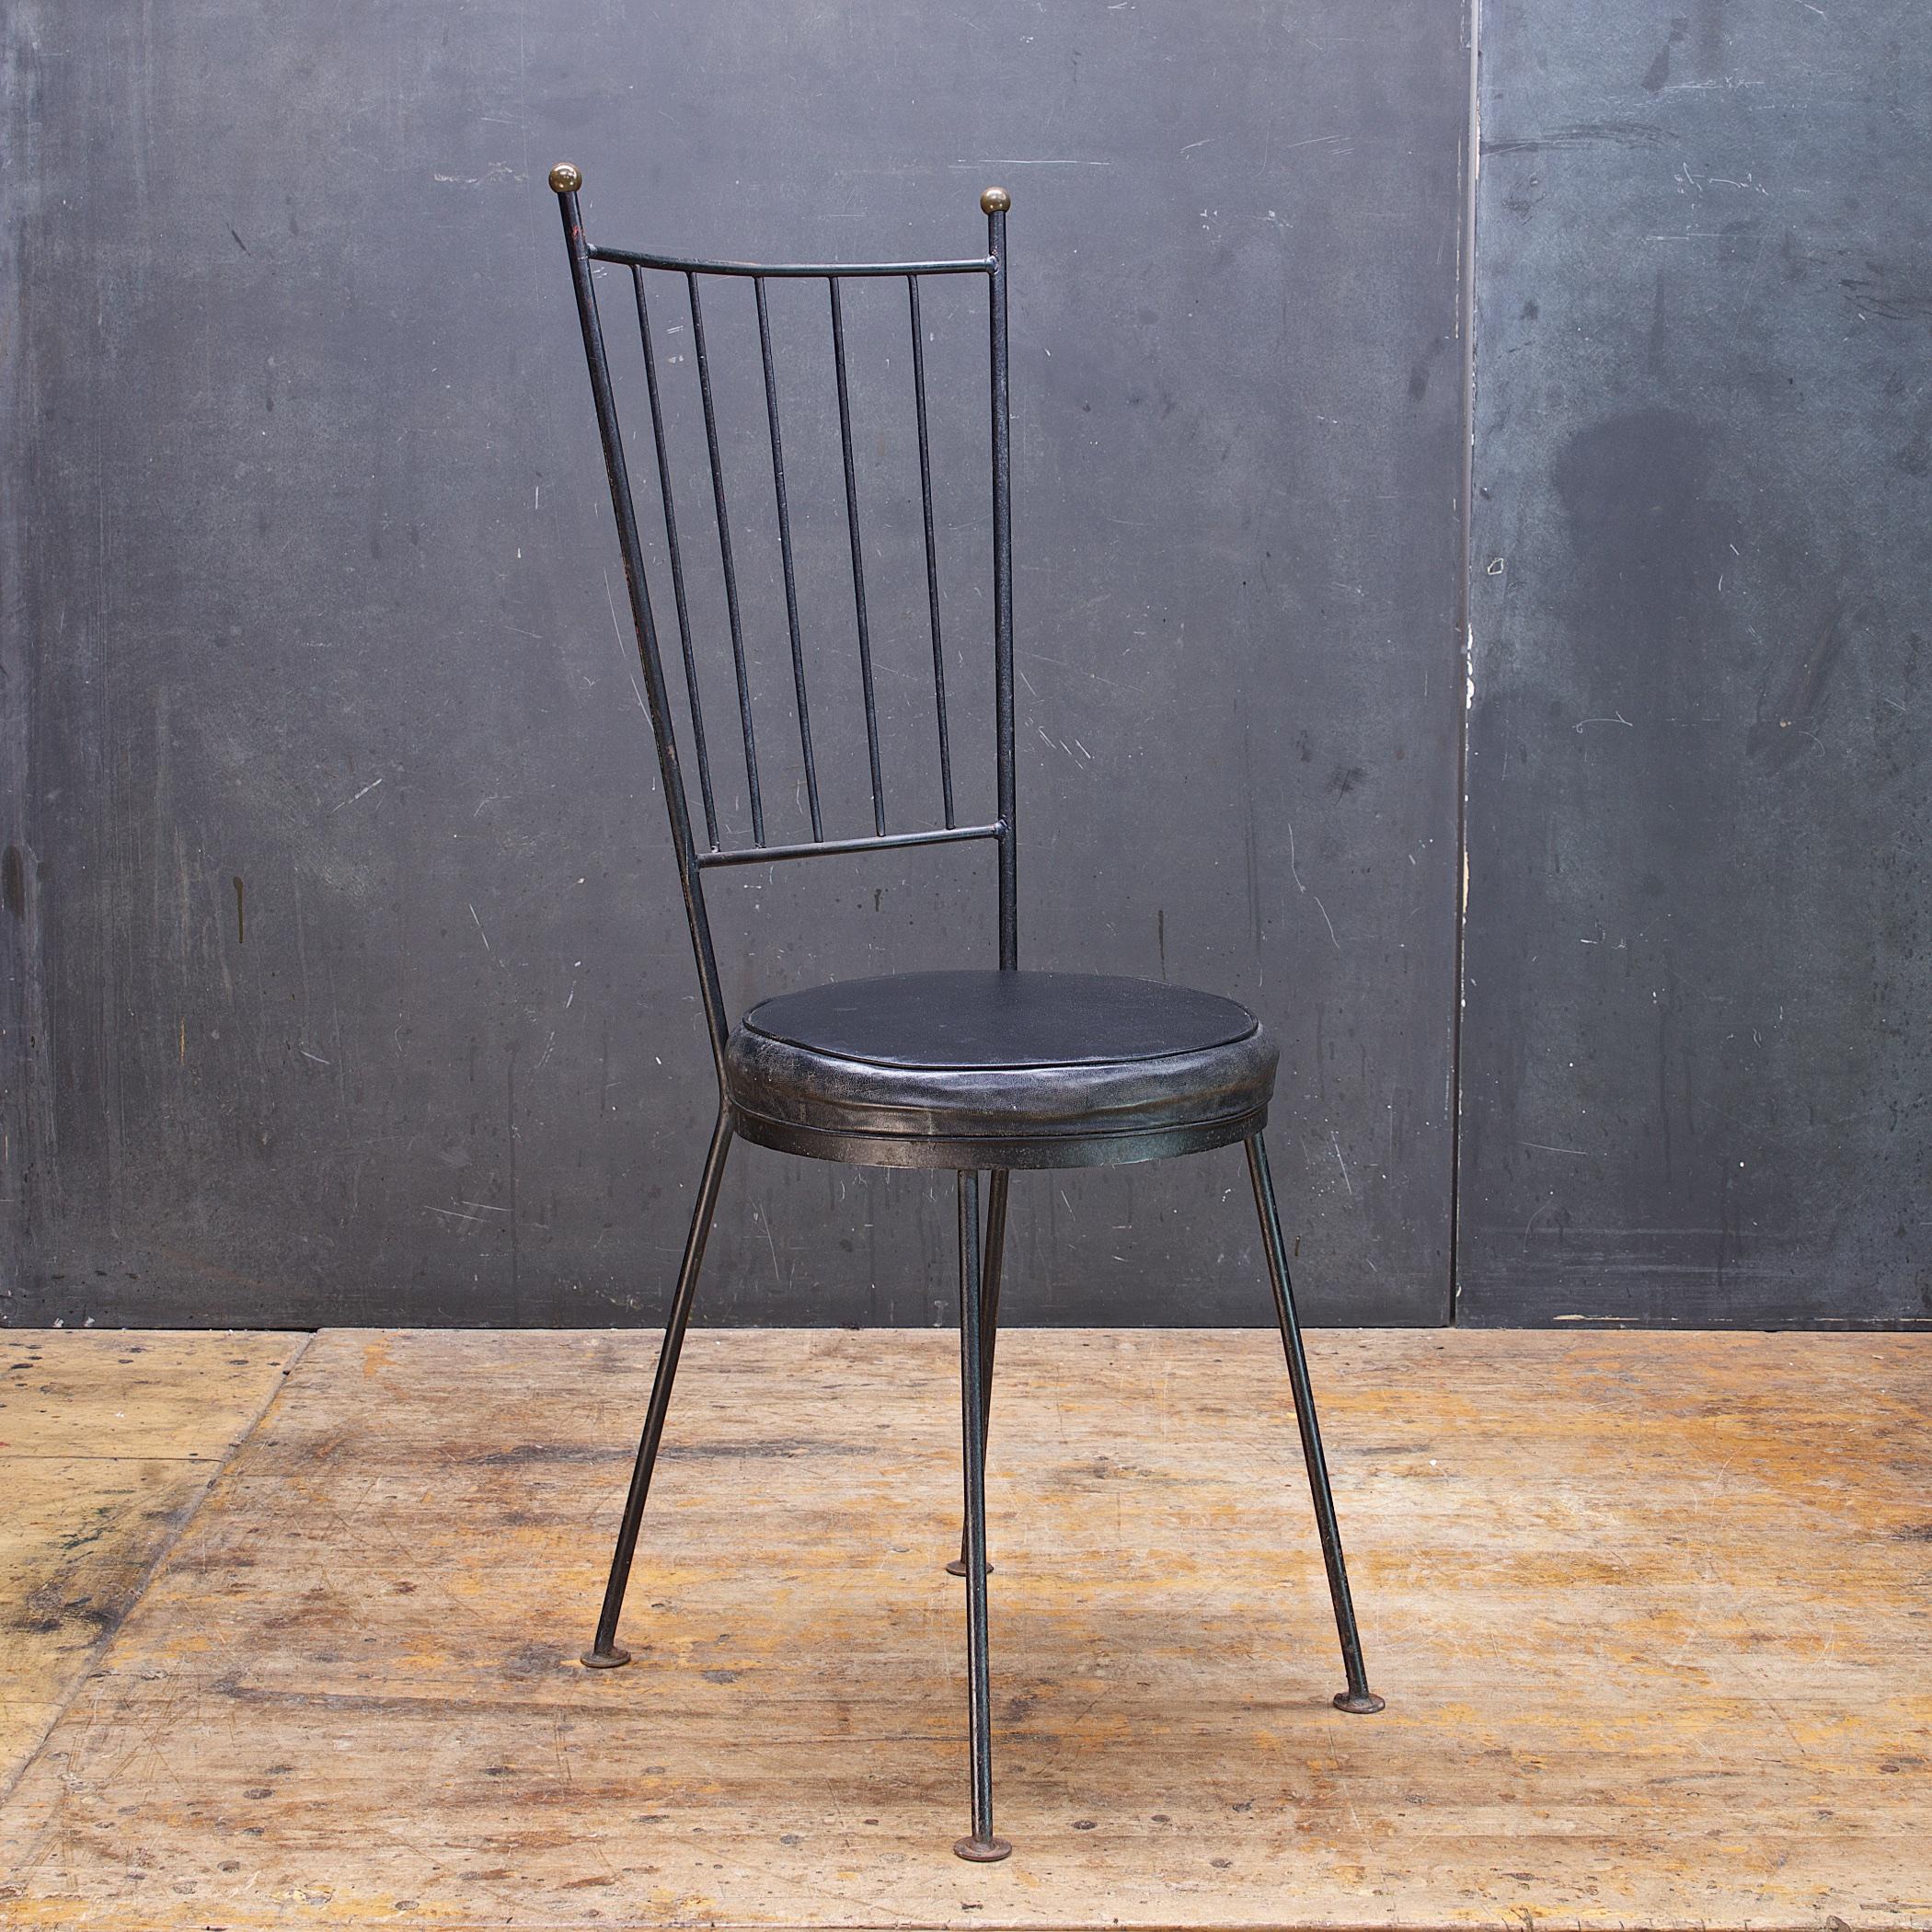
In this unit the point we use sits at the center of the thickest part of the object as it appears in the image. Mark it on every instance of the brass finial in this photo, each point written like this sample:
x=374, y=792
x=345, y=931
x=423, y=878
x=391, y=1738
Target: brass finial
x=564, y=178
x=994, y=201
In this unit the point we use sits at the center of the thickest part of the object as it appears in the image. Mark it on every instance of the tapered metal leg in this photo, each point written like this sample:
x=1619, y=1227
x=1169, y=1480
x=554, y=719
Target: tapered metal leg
x=989, y=1319
x=1358, y=1697
x=981, y=1847
x=605, y=1654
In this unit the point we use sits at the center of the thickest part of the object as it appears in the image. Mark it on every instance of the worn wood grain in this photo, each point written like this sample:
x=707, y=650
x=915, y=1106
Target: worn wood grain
x=107, y=1441
x=1650, y=1613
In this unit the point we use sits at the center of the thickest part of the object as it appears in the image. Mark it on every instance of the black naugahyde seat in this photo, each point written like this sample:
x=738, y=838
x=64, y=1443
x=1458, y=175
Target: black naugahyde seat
x=995, y=1070
x=981, y=1070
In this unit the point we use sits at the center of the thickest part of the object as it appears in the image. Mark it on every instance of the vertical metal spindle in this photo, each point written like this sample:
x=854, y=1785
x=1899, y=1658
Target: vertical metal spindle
x=677, y=567
x=996, y=201
x=932, y=554
x=724, y=551
x=859, y=566
x=791, y=588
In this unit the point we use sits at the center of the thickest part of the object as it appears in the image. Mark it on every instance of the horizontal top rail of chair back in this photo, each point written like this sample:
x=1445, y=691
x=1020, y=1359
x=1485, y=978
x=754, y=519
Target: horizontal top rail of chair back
x=697, y=856
x=820, y=271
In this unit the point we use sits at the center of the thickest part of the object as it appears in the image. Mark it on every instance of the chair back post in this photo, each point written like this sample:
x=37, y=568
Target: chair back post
x=565, y=180
x=996, y=201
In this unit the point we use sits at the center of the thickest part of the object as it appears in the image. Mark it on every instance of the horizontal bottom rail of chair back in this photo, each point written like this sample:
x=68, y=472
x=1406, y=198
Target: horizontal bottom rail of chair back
x=1072, y=1148
x=827, y=847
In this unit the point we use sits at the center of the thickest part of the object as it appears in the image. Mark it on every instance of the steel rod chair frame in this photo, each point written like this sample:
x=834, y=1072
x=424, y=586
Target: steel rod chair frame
x=979, y=1259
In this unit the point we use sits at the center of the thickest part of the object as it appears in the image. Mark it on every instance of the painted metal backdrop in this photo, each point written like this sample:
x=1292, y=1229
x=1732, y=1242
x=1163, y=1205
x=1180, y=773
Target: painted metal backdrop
x=338, y=984
x=344, y=983
x=1699, y=948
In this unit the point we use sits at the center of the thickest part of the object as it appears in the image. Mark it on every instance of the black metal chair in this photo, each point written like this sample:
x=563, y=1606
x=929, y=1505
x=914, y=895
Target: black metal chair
x=981, y=1072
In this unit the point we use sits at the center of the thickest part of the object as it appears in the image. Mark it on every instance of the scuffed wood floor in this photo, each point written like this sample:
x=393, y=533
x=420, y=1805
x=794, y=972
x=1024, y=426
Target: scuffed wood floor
x=107, y=1444
x=1653, y=1615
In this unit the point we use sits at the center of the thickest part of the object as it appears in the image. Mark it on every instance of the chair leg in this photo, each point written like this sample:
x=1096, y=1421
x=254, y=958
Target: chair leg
x=981, y=1847
x=1358, y=1697
x=990, y=1267
x=605, y=1654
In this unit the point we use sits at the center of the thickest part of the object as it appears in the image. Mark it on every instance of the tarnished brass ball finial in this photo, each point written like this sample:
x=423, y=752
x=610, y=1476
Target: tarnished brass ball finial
x=564, y=178
x=994, y=201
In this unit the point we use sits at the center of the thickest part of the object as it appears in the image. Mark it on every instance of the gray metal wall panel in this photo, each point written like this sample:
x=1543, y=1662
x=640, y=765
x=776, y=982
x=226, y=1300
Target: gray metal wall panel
x=1693, y=1058
x=348, y=984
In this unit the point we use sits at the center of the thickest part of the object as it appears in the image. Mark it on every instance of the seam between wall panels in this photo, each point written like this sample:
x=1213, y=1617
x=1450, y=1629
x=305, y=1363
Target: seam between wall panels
x=1465, y=639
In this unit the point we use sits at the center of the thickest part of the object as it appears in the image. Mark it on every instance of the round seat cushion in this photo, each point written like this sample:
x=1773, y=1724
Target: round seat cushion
x=998, y=1069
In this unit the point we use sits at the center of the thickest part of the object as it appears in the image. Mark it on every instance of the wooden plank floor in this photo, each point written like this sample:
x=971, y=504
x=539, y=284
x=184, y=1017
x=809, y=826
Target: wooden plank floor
x=1651, y=1613
x=107, y=1443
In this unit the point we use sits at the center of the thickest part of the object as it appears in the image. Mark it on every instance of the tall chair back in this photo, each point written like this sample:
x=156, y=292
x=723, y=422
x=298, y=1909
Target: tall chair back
x=701, y=280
